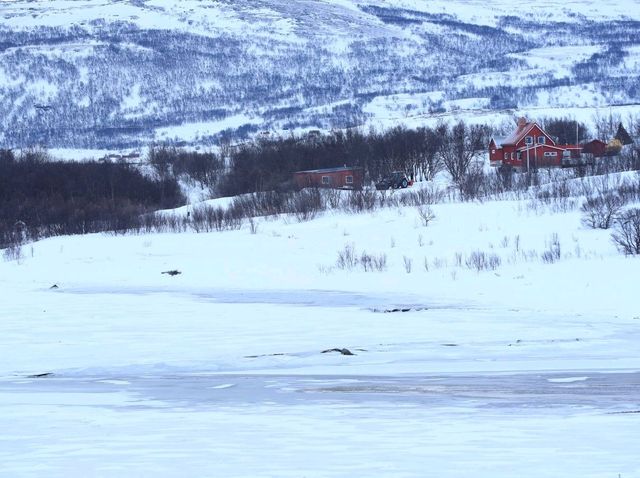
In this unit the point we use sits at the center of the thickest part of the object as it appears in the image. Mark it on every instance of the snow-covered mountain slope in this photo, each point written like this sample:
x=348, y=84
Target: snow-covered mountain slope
x=109, y=73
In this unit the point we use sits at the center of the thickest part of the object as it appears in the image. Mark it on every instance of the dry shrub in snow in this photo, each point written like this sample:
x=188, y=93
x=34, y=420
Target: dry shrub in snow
x=333, y=198
x=362, y=200
x=471, y=184
x=253, y=226
x=215, y=218
x=598, y=212
x=13, y=253
x=553, y=252
x=371, y=262
x=425, y=214
x=626, y=232
x=425, y=195
x=481, y=261
x=307, y=204
x=348, y=259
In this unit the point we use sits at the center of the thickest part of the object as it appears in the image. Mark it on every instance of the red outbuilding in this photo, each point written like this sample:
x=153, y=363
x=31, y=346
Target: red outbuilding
x=336, y=178
x=529, y=146
x=596, y=148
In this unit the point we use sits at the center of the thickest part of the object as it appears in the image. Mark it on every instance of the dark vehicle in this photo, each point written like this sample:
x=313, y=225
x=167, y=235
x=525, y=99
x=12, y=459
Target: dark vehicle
x=394, y=180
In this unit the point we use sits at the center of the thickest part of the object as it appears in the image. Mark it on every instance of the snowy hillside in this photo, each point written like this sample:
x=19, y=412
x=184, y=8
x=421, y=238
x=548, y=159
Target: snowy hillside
x=108, y=74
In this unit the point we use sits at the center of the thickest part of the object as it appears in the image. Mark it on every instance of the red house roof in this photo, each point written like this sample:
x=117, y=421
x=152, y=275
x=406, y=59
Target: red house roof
x=524, y=127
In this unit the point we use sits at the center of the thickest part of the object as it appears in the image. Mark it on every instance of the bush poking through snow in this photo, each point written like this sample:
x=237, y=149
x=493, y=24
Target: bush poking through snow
x=362, y=200
x=626, y=232
x=408, y=264
x=553, y=252
x=471, y=184
x=348, y=259
x=308, y=203
x=598, y=212
x=13, y=253
x=425, y=214
x=427, y=195
x=253, y=226
x=481, y=261
x=371, y=262
x=213, y=218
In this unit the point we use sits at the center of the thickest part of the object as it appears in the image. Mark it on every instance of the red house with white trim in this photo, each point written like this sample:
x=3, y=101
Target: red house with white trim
x=529, y=146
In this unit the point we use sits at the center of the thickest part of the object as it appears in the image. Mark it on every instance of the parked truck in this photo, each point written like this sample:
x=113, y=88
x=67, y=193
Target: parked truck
x=394, y=180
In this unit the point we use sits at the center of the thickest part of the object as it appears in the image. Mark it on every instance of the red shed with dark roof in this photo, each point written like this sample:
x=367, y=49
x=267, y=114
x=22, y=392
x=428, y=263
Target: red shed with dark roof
x=335, y=178
x=596, y=148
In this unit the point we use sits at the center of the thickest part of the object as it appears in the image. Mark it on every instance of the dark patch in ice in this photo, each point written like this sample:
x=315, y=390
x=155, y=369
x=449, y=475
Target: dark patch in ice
x=266, y=355
x=342, y=351
x=173, y=272
x=398, y=309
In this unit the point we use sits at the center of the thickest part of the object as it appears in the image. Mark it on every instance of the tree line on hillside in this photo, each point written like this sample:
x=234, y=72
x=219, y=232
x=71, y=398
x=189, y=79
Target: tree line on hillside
x=267, y=164
x=422, y=152
x=40, y=197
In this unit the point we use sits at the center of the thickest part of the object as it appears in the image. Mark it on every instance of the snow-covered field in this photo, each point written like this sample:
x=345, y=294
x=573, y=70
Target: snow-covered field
x=527, y=370
x=235, y=367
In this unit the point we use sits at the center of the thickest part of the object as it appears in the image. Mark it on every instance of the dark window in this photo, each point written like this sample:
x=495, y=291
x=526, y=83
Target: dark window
x=528, y=140
x=349, y=180
x=326, y=180
x=541, y=139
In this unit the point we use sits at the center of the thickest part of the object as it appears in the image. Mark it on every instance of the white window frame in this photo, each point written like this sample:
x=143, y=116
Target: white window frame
x=348, y=180
x=326, y=179
x=506, y=155
x=528, y=140
x=551, y=154
x=541, y=140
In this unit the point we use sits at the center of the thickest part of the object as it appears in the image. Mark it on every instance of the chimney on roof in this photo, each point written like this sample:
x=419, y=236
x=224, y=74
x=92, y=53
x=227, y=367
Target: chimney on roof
x=522, y=122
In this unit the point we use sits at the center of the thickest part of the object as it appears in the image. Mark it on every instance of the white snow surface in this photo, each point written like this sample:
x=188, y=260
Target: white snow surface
x=194, y=131
x=529, y=370
x=195, y=15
